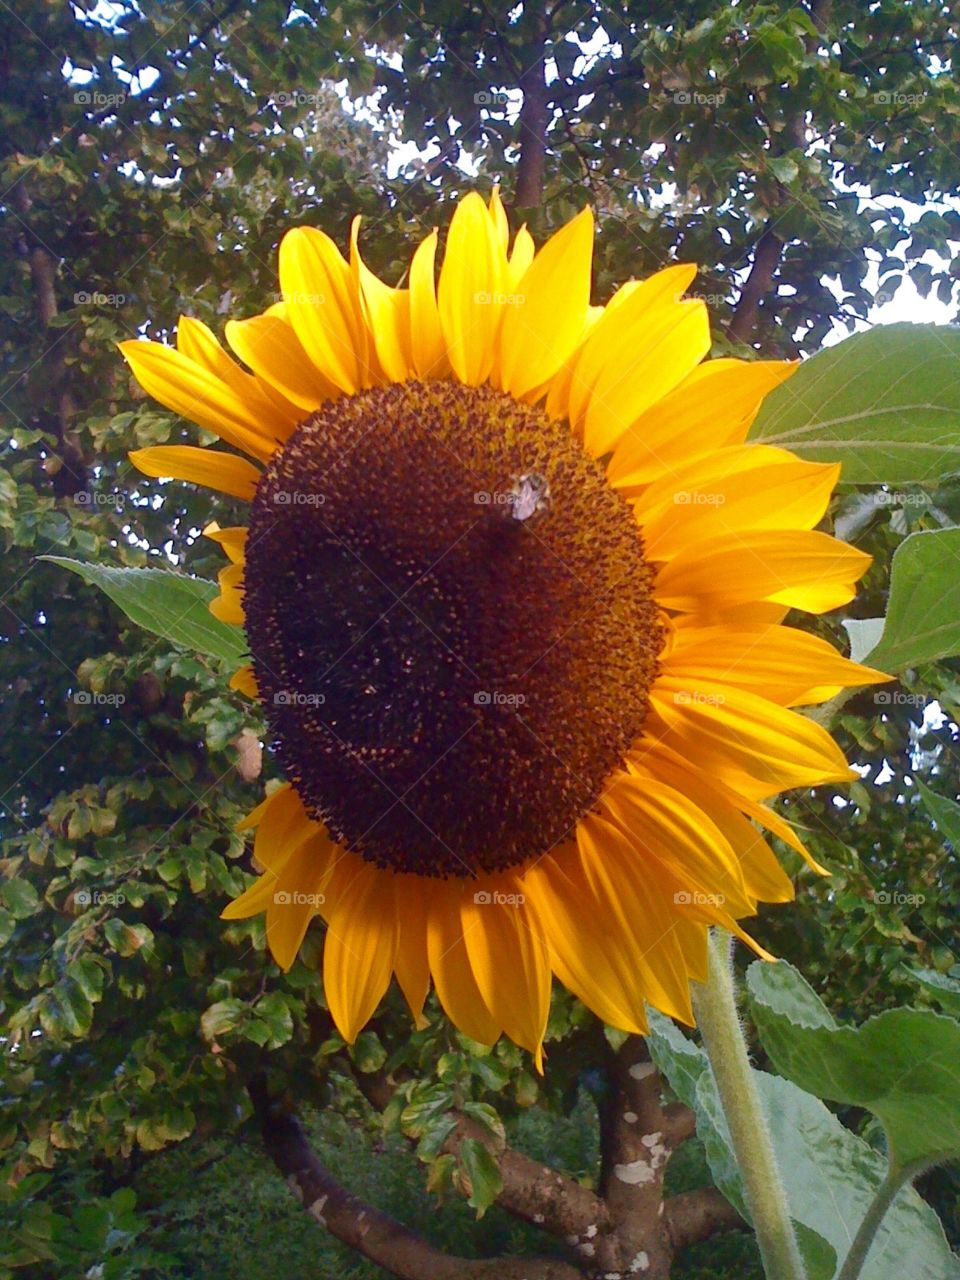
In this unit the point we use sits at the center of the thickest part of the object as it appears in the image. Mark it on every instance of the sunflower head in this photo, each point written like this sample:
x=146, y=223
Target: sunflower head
x=514, y=587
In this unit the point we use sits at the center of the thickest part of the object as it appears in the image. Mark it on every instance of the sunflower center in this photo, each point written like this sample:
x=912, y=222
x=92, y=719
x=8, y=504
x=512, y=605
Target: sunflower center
x=451, y=625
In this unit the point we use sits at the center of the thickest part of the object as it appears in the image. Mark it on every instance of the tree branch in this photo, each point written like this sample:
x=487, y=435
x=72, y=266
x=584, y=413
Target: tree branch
x=374, y=1234
x=536, y=1193
x=765, y=259
x=634, y=1154
x=697, y=1215
x=530, y=1190
x=534, y=115
x=680, y=1123
x=49, y=383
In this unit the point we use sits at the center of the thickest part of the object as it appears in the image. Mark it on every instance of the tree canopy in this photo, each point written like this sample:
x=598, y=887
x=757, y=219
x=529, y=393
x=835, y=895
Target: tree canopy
x=151, y=155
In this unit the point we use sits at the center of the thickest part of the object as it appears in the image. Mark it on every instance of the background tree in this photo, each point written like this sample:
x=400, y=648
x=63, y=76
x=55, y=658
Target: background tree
x=151, y=156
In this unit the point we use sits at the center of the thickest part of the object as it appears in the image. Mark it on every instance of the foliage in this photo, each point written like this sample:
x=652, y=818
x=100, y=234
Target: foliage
x=151, y=157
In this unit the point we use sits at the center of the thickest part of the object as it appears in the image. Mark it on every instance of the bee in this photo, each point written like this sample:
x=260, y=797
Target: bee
x=530, y=494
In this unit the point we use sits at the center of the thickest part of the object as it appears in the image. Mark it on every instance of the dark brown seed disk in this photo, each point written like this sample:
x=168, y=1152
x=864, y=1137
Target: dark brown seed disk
x=451, y=625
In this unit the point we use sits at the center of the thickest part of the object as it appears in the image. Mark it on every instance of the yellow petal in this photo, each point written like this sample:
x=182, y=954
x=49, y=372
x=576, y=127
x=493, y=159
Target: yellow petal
x=194, y=392
x=224, y=472
x=739, y=488
x=761, y=875
x=731, y=731
x=359, y=949
x=297, y=898
x=321, y=297
x=198, y=343
x=499, y=216
x=427, y=348
x=543, y=324
x=244, y=681
x=588, y=955
x=508, y=956
x=269, y=345
x=636, y=308
x=521, y=255
x=712, y=407
x=788, y=666
x=644, y=363
x=228, y=605
x=453, y=975
x=559, y=390
x=233, y=541
x=637, y=906
x=282, y=823
x=257, y=815
x=412, y=965
x=667, y=824
x=810, y=571
x=470, y=296
x=388, y=315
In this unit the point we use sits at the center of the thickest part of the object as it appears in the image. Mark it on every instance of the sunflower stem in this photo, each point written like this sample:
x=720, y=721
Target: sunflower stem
x=716, y=1009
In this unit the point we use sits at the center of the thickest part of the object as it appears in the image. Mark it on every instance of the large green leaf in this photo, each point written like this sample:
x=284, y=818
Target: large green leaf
x=831, y=1176
x=170, y=605
x=923, y=613
x=903, y=1065
x=885, y=403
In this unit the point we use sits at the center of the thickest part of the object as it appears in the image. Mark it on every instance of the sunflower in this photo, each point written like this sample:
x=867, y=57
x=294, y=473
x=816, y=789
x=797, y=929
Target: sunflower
x=513, y=586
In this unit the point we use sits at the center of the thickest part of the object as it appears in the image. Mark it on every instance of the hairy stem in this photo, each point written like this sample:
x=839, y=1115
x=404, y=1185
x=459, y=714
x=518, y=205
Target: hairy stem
x=719, y=1022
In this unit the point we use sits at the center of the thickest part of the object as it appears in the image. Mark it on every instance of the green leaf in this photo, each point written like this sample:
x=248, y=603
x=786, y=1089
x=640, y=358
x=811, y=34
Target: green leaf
x=367, y=1052
x=783, y=168
x=885, y=403
x=223, y=1016
x=903, y=1065
x=923, y=613
x=944, y=812
x=830, y=1175
x=485, y=1115
x=20, y=898
x=171, y=605
x=481, y=1175
x=944, y=989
